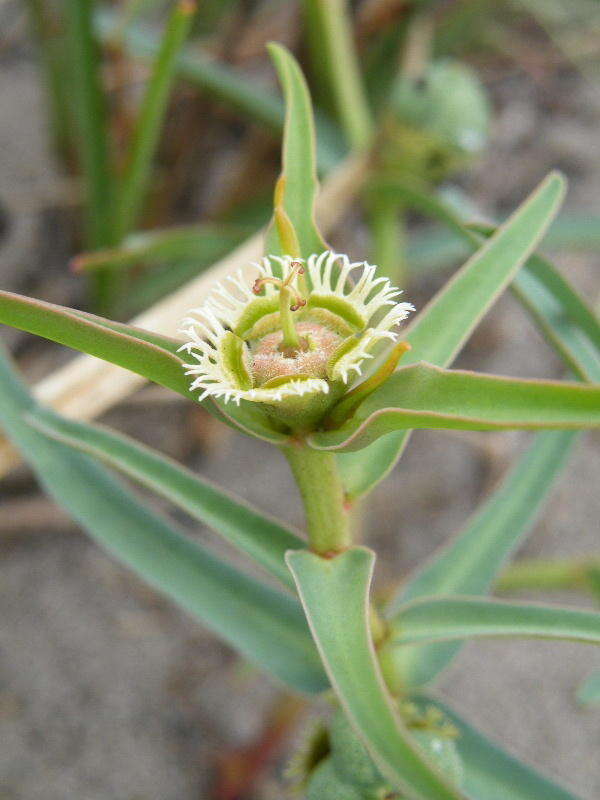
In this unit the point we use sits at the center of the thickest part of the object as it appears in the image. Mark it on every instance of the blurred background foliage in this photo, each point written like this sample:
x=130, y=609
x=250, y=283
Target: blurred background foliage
x=165, y=123
x=169, y=120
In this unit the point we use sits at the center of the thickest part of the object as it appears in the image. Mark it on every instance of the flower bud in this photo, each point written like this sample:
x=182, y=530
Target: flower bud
x=439, y=122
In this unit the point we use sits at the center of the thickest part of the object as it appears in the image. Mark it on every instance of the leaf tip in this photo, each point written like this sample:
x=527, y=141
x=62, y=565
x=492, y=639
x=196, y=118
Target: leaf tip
x=559, y=179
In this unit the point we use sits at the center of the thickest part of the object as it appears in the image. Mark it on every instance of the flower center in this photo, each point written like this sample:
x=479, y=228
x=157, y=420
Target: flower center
x=270, y=361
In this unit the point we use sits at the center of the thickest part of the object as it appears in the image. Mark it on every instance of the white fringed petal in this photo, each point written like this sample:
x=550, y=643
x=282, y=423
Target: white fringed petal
x=227, y=301
x=353, y=360
x=368, y=294
x=211, y=378
x=328, y=275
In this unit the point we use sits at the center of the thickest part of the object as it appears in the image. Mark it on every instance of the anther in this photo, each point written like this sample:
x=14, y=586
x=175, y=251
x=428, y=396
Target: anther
x=260, y=282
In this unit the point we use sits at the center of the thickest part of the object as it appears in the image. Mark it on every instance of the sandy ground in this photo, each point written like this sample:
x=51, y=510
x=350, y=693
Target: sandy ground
x=107, y=692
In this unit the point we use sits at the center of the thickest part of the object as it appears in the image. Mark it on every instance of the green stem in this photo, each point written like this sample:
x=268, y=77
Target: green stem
x=322, y=492
x=330, y=30
x=386, y=221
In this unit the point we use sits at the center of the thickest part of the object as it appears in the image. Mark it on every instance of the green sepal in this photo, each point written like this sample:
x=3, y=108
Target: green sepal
x=232, y=350
x=254, y=313
x=347, y=346
x=301, y=412
x=342, y=316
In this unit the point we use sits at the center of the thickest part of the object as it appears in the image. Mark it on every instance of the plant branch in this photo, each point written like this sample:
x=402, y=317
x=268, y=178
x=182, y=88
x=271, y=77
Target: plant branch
x=322, y=492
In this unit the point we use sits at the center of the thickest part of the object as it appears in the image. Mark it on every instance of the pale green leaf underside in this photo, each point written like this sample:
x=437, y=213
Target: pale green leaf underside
x=490, y=773
x=256, y=534
x=424, y=396
x=438, y=619
x=444, y=325
x=264, y=625
x=334, y=593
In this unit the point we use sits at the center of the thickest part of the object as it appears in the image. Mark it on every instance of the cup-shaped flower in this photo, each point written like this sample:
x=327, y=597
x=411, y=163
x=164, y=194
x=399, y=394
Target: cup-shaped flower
x=296, y=338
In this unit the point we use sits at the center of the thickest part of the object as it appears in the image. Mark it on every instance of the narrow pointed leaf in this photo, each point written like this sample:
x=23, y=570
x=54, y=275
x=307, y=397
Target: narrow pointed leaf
x=442, y=328
x=435, y=248
x=256, y=534
x=442, y=619
x=570, y=326
x=109, y=341
x=146, y=133
x=559, y=313
x=335, y=596
x=266, y=626
x=299, y=161
x=146, y=353
x=490, y=773
x=423, y=396
x=469, y=563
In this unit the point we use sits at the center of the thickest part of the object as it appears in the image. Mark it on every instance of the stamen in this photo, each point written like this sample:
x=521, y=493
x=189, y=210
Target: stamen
x=260, y=282
x=296, y=269
x=299, y=302
x=290, y=299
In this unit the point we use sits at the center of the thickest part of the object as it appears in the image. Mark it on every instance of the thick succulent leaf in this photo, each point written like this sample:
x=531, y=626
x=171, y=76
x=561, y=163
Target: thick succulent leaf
x=141, y=352
x=256, y=534
x=146, y=353
x=570, y=326
x=444, y=325
x=442, y=619
x=490, y=773
x=335, y=596
x=265, y=625
x=470, y=562
x=424, y=396
x=28, y=313
x=299, y=164
x=588, y=692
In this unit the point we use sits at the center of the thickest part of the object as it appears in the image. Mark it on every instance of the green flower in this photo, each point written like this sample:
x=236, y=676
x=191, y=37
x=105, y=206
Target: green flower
x=304, y=334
